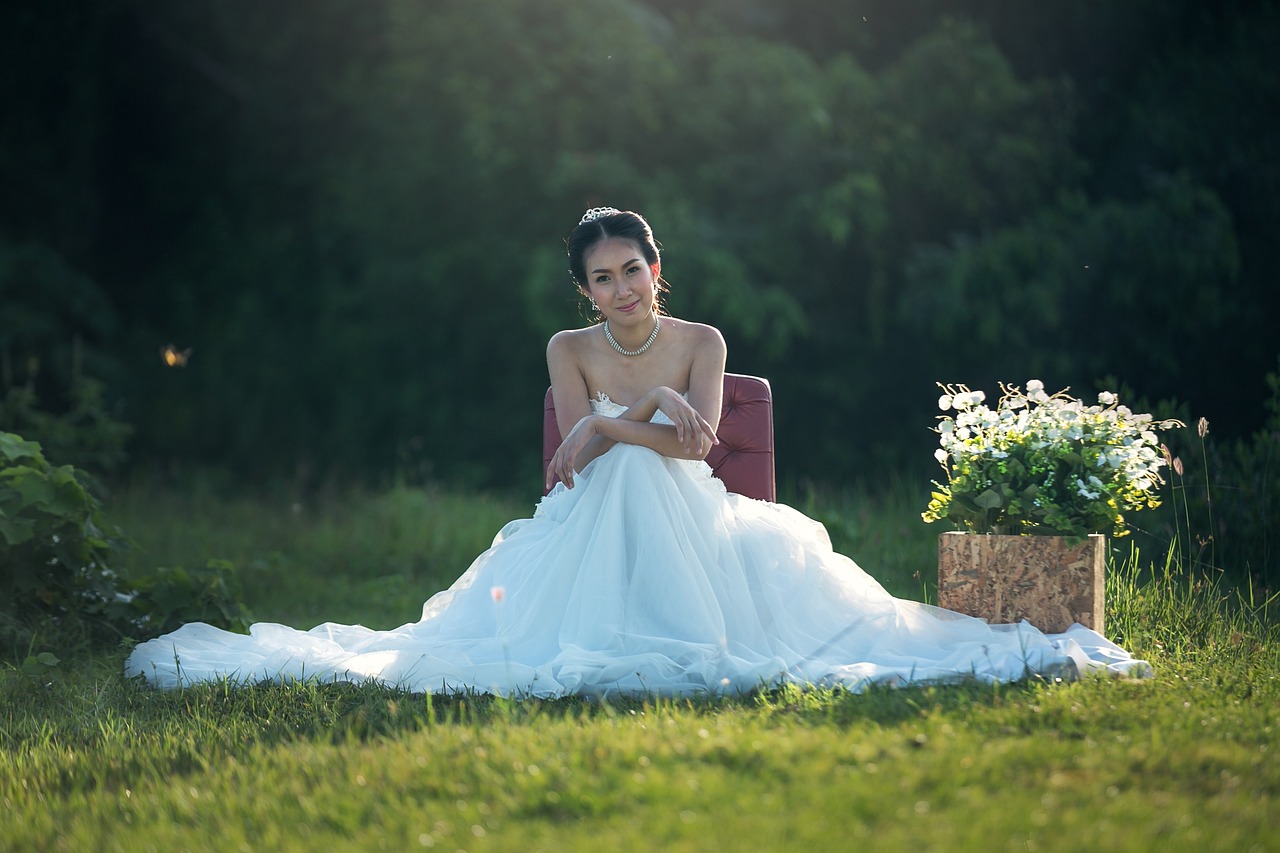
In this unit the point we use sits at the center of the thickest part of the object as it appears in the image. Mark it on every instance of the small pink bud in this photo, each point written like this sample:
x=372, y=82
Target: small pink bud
x=497, y=593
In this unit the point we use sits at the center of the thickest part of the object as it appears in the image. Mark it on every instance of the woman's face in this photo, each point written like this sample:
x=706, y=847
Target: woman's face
x=620, y=280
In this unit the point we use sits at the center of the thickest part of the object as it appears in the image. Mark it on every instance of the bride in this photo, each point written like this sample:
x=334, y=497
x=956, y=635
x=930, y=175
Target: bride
x=638, y=573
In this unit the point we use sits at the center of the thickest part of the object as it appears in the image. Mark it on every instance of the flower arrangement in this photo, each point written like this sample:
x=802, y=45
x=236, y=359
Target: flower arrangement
x=1044, y=463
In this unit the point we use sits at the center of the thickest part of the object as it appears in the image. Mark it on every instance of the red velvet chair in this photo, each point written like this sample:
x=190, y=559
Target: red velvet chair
x=743, y=459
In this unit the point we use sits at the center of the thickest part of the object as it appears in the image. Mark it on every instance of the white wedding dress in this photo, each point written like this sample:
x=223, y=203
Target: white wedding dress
x=646, y=578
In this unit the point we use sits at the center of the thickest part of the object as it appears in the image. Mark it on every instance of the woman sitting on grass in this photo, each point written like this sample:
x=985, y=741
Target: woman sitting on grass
x=639, y=573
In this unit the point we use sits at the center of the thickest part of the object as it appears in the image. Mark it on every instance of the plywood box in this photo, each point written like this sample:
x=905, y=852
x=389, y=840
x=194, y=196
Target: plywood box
x=1051, y=581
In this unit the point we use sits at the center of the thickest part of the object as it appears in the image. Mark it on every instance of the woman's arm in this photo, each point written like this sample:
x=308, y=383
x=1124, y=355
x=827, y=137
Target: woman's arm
x=691, y=434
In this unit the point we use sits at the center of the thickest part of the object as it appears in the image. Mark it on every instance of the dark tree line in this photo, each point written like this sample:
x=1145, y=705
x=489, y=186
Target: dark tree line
x=353, y=213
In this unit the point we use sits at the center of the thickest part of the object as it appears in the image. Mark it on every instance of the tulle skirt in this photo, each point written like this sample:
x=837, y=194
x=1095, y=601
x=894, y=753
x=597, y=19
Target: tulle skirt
x=645, y=578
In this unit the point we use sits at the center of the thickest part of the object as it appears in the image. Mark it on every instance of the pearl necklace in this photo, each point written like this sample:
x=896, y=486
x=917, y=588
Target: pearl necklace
x=657, y=324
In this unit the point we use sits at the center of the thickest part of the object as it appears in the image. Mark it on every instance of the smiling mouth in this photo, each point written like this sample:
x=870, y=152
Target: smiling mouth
x=627, y=309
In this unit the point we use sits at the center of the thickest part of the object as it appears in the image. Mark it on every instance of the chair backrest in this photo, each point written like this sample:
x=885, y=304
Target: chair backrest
x=743, y=460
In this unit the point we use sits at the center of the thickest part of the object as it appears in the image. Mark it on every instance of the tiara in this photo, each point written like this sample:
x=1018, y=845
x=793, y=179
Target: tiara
x=596, y=213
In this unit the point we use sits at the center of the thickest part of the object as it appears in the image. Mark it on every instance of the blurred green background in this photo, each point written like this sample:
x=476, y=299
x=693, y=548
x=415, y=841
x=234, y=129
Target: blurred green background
x=353, y=215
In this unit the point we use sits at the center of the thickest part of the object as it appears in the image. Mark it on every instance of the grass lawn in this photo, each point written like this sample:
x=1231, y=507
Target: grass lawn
x=1184, y=761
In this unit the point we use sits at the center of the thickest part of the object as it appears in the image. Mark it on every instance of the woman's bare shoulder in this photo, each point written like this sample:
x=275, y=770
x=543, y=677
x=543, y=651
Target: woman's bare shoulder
x=568, y=341
x=700, y=335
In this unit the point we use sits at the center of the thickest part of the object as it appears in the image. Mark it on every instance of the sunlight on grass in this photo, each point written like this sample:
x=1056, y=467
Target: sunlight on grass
x=89, y=760
x=368, y=558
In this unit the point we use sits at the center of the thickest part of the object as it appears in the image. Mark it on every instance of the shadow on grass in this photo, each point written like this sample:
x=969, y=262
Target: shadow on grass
x=341, y=712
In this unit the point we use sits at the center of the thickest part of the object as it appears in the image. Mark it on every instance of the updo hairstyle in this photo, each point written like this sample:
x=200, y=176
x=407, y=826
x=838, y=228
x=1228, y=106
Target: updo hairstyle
x=604, y=224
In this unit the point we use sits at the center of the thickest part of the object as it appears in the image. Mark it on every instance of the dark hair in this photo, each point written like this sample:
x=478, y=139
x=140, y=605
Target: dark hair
x=621, y=224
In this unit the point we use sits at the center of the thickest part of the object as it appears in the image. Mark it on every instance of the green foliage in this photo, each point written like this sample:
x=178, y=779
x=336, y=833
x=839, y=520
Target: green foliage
x=1143, y=278
x=1247, y=512
x=972, y=145
x=370, y=557
x=170, y=597
x=40, y=669
x=1185, y=611
x=86, y=433
x=1226, y=503
x=881, y=525
x=354, y=215
x=58, y=552
x=52, y=330
x=62, y=580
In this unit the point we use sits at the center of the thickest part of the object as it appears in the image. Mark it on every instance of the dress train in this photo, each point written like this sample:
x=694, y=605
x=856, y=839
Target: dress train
x=646, y=578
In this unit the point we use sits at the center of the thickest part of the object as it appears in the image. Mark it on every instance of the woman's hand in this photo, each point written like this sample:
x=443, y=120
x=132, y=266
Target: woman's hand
x=692, y=430
x=562, y=462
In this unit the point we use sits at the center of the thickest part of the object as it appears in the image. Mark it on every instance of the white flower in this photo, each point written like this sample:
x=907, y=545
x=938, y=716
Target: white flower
x=1046, y=432
x=966, y=400
x=944, y=402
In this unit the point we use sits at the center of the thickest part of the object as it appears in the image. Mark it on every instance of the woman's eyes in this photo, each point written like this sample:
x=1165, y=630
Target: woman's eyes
x=630, y=271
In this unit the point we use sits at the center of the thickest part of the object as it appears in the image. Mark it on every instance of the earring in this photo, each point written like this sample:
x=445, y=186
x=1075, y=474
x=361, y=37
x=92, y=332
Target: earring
x=594, y=306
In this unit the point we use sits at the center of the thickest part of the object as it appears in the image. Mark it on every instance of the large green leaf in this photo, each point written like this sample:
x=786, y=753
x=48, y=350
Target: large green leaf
x=990, y=499
x=36, y=491
x=15, y=531
x=13, y=448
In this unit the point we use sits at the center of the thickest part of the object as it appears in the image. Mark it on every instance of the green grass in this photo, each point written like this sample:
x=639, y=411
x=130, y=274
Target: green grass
x=356, y=557
x=1184, y=761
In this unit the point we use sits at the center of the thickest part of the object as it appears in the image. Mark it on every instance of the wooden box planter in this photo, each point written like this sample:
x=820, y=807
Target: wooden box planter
x=1051, y=581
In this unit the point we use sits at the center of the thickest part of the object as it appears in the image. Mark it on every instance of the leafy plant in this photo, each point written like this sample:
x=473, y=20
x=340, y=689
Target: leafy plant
x=59, y=559
x=40, y=668
x=56, y=550
x=1045, y=464
x=169, y=597
x=85, y=433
